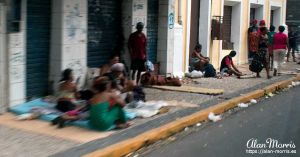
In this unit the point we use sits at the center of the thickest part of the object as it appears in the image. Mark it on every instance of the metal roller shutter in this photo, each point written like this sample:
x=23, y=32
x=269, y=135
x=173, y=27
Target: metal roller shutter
x=152, y=29
x=104, y=30
x=38, y=47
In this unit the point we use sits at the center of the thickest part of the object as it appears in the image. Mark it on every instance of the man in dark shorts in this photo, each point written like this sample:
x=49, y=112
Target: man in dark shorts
x=292, y=44
x=137, y=46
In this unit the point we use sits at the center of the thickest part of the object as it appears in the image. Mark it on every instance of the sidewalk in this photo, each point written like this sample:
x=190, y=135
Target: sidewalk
x=85, y=140
x=233, y=88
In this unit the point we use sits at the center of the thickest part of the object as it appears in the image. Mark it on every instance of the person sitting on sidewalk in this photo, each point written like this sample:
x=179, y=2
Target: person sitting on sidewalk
x=107, y=67
x=106, y=107
x=198, y=61
x=227, y=65
x=67, y=92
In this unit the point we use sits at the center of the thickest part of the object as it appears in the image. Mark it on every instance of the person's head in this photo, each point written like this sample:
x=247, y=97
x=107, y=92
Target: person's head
x=264, y=30
x=254, y=22
x=67, y=75
x=198, y=47
x=102, y=84
x=262, y=23
x=272, y=28
x=232, y=54
x=140, y=26
x=117, y=69
x=281, y=29
x=114, y=59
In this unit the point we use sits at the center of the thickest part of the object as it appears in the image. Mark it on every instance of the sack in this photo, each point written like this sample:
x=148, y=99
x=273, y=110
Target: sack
x=149, y=66
x=139, y=94
x=209, y=71
x=256, y=66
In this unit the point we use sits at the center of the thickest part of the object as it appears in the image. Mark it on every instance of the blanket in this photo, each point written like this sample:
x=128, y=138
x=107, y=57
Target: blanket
x=49, y=112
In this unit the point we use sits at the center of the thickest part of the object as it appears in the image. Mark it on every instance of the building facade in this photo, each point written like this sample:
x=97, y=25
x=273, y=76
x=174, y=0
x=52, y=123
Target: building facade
x=39, y=39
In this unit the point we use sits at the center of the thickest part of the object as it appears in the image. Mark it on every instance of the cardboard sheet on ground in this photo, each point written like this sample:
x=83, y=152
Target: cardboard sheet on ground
x=288, y=73
x=190, y=89
x=248, y=76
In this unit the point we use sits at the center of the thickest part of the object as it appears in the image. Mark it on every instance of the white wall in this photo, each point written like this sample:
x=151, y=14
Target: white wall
x=17, y=62
x=236, y=23
x=204, y=26
x=259, y=13
x=165, y=50
x=178, y=55
x=68, y=39
x=277, y=19
x=3, y=60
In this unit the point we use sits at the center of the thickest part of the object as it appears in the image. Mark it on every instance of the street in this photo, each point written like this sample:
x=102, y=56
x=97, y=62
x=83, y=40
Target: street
x=276, y=118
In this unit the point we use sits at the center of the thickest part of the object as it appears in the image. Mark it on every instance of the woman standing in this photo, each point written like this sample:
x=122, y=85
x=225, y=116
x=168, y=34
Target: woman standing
x=263, y=50
x=280, y=43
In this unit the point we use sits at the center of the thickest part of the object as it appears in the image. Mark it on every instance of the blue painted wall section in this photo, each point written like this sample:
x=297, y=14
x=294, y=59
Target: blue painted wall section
x=104, y=30
x=38, y=47
x=152, y=29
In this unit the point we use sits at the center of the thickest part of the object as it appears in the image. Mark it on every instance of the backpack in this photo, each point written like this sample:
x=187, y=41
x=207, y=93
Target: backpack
x=209, y=71
x=256, y=65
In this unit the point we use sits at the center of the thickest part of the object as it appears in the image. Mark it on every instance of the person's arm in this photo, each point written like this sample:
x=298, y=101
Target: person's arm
x=117, y=100
x=235, y=68
x=199, y=55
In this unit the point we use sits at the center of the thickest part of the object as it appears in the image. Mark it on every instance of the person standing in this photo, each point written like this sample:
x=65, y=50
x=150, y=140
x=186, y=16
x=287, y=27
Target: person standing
x=292, y=44
x=263, y=50
x=253, y=39
x=137, y=46
x=271, y=34
x=280, y=43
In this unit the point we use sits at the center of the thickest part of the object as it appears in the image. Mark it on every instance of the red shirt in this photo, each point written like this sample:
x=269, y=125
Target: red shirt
x=137, y=43
x=280, y=41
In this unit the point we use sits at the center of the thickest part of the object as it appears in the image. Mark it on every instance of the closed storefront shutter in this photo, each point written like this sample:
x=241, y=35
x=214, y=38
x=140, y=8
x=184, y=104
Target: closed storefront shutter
x=152, y=29
x=38, y=47
x=104, y=30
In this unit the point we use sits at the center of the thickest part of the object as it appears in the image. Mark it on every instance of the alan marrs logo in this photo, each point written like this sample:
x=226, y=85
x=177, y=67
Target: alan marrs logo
x=270, y=143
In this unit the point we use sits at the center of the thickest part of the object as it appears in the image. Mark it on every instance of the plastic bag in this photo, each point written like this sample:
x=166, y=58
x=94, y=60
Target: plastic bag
x=149, y=66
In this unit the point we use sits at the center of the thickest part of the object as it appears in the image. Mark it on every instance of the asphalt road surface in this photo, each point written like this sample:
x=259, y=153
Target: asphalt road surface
x=274, y=119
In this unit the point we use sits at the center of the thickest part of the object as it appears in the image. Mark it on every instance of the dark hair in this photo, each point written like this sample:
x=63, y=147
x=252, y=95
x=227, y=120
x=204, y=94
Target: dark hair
x=140, y=25
x=232, y=53
x=281, y=29
x=101, y=84
x=262, y=29
x=198, y=46
x=113, y=56
x=66, y=75
x=272, y=28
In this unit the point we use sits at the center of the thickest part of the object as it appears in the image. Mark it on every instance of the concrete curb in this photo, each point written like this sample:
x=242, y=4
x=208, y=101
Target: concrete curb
x=127, y=146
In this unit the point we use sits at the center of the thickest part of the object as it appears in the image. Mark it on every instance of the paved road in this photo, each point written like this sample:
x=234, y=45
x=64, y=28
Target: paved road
x=277, y=118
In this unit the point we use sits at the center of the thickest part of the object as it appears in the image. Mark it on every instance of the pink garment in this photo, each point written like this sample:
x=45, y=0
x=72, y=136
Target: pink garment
x=280, y=41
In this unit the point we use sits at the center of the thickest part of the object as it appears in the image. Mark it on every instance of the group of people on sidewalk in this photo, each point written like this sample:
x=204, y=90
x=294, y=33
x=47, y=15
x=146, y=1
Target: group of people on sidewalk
x=109, y=93
x=269, y=48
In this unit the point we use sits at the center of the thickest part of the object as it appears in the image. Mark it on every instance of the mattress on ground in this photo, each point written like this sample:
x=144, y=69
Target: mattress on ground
x=28, y=106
